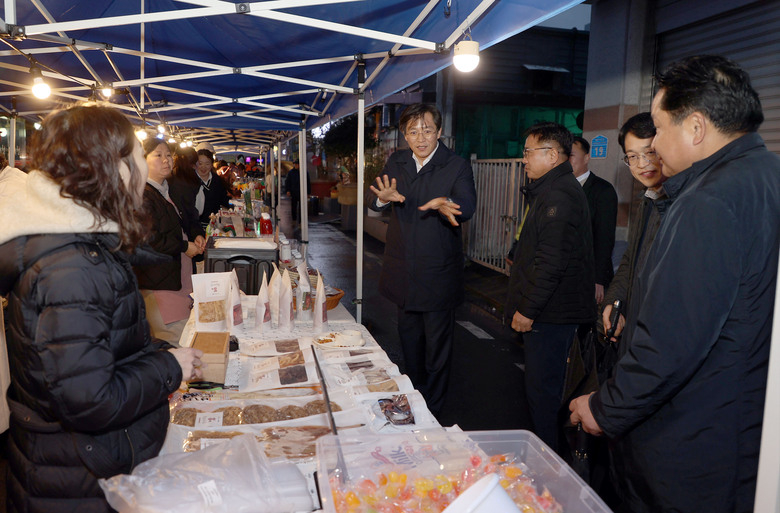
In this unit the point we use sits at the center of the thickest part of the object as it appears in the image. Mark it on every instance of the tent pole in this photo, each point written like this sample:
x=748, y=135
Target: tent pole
x=279, y=175
x=361, y=135
x=304, y=175
x=12, y=141
x=269, y=183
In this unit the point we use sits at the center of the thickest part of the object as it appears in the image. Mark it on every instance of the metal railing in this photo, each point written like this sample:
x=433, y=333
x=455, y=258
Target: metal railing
x=499, y=205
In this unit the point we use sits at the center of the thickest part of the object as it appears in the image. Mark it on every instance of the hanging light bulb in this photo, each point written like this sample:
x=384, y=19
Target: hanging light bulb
x=40, y=88
x=466, y=56
x=171, y=140
x=161, y=129
x=37, y=126
x=183, y=144
x=141, y=134
x=189, y=144
x=107, y=91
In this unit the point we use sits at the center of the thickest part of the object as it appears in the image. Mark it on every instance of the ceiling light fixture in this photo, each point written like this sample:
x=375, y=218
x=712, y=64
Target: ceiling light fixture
x=141, y=134
x=40, y=88
x=466, y=55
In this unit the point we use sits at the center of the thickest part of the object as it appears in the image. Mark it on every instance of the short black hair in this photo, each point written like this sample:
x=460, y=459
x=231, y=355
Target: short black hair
x=552, y=132
x=206, y=153
x=715, y=86
x=640, y=126
x=582, y=142
x=418, y=111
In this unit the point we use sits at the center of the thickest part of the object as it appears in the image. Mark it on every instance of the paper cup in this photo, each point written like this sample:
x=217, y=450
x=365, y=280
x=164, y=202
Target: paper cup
x=484, y=496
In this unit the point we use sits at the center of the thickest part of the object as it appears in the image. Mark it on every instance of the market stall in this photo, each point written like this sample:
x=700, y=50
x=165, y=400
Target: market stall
x=308, y=412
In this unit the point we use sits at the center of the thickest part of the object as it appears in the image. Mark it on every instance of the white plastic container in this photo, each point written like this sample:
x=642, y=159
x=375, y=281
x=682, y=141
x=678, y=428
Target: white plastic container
x=484, y=496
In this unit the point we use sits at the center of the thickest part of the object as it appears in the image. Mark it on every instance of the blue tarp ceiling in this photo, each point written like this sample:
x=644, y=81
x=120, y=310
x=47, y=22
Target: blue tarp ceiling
x=249, y=72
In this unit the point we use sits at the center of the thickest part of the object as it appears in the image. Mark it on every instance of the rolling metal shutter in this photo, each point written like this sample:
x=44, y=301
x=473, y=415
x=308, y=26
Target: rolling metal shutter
x=748, y=35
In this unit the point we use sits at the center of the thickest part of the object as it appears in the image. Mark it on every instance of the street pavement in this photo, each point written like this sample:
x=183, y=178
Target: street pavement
x=486, y=386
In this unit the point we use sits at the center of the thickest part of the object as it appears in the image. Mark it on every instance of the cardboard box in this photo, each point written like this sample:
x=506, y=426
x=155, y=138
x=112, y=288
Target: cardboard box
x=215, y=347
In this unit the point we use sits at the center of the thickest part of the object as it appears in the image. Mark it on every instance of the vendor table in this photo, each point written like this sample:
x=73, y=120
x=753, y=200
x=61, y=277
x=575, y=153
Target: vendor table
x=250, y=257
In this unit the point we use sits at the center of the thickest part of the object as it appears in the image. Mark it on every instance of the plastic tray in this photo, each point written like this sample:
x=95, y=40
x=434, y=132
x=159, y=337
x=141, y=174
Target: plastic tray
x=354, y=459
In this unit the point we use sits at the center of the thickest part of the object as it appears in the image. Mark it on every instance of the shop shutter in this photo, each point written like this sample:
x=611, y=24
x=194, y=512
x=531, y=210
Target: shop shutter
x=748, y=35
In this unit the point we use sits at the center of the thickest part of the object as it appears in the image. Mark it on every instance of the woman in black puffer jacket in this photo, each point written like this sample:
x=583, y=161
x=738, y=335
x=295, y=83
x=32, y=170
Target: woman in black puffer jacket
x=89, y=387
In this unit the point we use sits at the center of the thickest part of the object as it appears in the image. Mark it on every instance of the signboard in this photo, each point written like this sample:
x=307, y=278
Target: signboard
x=598, y=147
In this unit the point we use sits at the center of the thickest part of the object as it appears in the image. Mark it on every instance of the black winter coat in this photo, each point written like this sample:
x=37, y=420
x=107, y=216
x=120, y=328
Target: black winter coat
x=423, y=262
x=686, y=401
x=215, y=196
x=166, y=238
x=602, y=204
x=182, y=193
x=641, y=234
x=89, y=388
x=552, y=279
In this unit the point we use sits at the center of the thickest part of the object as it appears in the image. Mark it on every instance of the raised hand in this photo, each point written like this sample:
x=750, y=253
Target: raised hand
x=447, y=208
x=386, y=190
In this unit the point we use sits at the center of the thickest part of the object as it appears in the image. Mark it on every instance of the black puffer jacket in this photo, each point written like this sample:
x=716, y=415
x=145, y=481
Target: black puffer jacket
x=552, y=277
x=89, y=388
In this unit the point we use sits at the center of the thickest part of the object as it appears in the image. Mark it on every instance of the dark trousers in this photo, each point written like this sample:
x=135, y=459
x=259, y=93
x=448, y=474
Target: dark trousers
x=546, y=350
x=295, y=207
x=426, y=341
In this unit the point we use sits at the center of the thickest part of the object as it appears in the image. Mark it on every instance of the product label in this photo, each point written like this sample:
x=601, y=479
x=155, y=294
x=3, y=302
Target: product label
x=210, y=493
x=208, y=420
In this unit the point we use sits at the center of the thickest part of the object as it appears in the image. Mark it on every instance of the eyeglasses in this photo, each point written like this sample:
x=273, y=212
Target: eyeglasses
x=426, y=132
x=527, y=151
x=647, y=158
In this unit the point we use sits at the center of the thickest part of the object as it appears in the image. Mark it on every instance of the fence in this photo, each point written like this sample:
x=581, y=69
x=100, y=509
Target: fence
x=499, y=204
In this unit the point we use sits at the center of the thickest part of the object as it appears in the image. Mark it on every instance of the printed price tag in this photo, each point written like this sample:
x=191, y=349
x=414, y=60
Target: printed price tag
x=208, y=442
x=208, y=420
x=210, y=493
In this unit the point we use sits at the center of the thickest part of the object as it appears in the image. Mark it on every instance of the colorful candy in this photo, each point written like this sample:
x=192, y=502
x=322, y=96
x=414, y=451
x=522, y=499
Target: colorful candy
x=397, y=492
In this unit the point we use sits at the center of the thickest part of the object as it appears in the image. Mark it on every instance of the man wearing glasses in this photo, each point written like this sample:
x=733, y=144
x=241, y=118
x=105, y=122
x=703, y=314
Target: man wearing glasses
x=431, y=191
x=552, y=283
x=636, y=139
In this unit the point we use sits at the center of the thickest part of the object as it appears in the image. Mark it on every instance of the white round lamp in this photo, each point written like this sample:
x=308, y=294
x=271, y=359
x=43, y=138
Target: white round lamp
x=466, y=56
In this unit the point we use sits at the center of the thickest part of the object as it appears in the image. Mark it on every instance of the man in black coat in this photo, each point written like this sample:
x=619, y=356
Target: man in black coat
x=686, y=401
x=430, y=189
x=602, y=204
x=636, y=139
x=551, y=282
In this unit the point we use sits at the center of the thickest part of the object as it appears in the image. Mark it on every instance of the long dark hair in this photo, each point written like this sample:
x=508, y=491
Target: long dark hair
x=184, y=166
x=81, y=148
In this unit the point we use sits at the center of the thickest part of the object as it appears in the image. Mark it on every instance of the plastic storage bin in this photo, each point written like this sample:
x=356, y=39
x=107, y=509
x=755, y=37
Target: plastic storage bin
x=360, y=468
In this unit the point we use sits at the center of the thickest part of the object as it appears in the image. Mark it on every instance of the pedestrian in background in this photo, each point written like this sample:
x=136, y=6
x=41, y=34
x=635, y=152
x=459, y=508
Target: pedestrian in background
x=430, y=191
x=602, y=205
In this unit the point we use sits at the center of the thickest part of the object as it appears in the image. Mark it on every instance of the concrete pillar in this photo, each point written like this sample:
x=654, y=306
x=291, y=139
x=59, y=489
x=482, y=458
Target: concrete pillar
x=620, y=60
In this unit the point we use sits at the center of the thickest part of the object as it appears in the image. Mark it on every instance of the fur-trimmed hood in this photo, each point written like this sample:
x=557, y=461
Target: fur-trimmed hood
x=31, y=204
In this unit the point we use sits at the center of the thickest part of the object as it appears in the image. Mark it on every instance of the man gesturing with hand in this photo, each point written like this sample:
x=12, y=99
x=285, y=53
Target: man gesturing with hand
x=430, y=191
